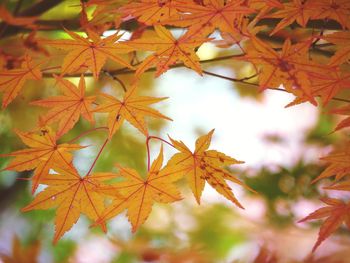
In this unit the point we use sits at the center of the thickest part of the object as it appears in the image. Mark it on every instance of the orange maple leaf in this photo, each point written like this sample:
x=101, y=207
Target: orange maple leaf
x=204, y=19
x=138, y=195
x=289, y=67
x=296, y=10
x=168, y=51
x=132, y=107
x=338, y=10
x=67, y=109
x=20, y=254
x=91, y=52
x=339, y=164
x=204, y=165
x=12, y=81
x=342, y=40
x=336, y=212
x=6, y=16
x=44, y=154
x=72, y=195
x=342, y=111
x=152, y=12
x=328, y=85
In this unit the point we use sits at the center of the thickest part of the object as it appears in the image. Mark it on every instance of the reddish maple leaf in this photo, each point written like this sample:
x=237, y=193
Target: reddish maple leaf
x=138, y=195
x=342, y=40
x=67, y=109
x=168, y=51
x=339, y=164
x=17, y=21
x=336, y=212
x=289, y=67
x=133, y=108
x=12, y=81
x=44, y=154
x=91, y=52
x=152, y=12
x=204, y=19
x=342, y=111
x=204, y=165
x=338, y=10
x=72, y=195
x=296, y=10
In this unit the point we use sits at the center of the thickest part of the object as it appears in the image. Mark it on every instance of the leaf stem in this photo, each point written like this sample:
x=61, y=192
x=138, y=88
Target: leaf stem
x=148, y=149
x=87, y=132
x=98, y=156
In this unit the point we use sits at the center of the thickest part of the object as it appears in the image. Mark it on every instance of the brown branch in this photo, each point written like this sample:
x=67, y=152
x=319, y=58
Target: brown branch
x=126, y=71
x=244, y=81
x=35, y=10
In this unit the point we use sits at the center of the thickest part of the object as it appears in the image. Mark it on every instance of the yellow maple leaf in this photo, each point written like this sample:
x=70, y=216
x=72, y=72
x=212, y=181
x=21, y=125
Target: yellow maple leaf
x=12, y=81
x=204, y=165
x=138, y=195
x=72, y=195
x=132, y=108
x=91, y=52
x=44, y=154
x=67, y=109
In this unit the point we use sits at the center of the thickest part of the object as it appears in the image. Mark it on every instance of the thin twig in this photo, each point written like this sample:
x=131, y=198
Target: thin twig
x=243, y=80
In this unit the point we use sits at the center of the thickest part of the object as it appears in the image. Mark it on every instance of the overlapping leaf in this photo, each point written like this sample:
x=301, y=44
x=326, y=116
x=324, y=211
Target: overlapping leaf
x=91, y=52
x=337, y=212
x=168, y=51
x=67, y=109
x=138, y=195
x=132, y=108
x=289, y=67
x=71, y=195
x=204, y=165
x=339, y=164
x=342, y=40
x=12, y=81
x=203, y=19
x=44, y=154
x=296, y=10
x=343, y=111
x=152, y=12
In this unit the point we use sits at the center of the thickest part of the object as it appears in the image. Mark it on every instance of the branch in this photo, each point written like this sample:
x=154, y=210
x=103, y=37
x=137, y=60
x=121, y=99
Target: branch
x=244, y=81
x=130, y=71
x=35, y=10
x=313, y=24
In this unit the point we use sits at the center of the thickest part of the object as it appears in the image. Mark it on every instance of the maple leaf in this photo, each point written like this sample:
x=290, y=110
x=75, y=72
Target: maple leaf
x=72, y=195
x=12, y=81
x=138, y=195
x=44, y=154
x=297, y=10
x=67, y=109
x=203, y=19
x=204, y=165
x=338, y=10
x=339, y=164
x=289, y=67
x=336, y=212
x=342, y=111
x=22, y=254
x=328, y=85
x=132, y=108
x=342, y=40
x=168, y=51
x=91, y=52
x=6, y=16
x=152, y=12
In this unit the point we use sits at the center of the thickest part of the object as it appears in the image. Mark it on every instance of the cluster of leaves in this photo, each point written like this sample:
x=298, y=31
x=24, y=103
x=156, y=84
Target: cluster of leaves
x=310, y=64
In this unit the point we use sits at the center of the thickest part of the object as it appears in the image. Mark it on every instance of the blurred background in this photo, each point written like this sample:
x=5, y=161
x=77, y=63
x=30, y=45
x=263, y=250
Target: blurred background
x=281, y=148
